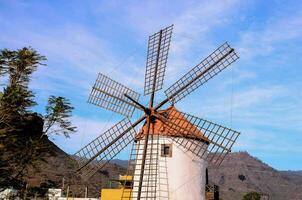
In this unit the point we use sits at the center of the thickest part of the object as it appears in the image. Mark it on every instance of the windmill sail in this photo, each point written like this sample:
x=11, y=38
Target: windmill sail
x=157, y=56
x=221, y=58
x=110, y=95
x=163, y=130
x=150, y=180
x=101, y=150
x=208, y=140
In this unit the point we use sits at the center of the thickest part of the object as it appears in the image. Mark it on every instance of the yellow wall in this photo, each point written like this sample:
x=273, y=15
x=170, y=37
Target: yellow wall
x=115, y=194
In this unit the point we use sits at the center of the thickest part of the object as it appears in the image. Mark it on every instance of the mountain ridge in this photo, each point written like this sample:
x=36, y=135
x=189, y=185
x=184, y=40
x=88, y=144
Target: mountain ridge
x=238, y=174
x=241, y=173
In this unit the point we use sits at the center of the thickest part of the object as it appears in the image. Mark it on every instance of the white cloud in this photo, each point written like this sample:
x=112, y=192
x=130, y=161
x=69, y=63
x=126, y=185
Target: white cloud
x=263, y=41
x=267, y=141
x=87, y=130
x=192, y=21
x=192, y=29
x=77, y=54
x=246, y=99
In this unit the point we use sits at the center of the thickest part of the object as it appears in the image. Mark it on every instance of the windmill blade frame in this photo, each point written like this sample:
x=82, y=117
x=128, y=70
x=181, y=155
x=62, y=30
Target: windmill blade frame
x=202, y=138
x=217, y=61
x=105, y=147
x=157, y=56
x=149, y=183
x=109, y=94
x=215, y=142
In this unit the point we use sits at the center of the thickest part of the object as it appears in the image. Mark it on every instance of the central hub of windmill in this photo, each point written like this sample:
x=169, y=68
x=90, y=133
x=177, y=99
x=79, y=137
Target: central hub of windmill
x=147, y=111
x=152, y=115
x=150, y=112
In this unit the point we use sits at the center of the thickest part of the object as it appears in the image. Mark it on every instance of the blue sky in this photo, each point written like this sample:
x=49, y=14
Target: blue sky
x=260, y=95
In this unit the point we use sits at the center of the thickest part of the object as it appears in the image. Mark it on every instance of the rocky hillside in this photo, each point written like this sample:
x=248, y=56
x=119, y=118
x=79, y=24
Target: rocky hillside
x=59, y=165
x=293, y=176
x=241, y=172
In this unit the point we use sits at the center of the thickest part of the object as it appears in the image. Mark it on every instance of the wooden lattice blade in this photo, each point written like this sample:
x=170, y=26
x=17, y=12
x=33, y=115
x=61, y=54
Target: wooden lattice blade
x=157, y=56
x=104, y=148
x=205, y=139
x=110, y=94
x=221, y=58
x=149, y=190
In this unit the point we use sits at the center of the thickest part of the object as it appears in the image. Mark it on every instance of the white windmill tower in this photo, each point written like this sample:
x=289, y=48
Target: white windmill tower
x=171, y=151
x=172, y=172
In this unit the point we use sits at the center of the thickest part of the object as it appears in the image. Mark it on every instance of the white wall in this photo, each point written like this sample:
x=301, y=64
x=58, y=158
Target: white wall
x=180, y=177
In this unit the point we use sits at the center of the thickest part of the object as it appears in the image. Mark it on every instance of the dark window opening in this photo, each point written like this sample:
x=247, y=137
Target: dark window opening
x=128, y=184
x=166, y=150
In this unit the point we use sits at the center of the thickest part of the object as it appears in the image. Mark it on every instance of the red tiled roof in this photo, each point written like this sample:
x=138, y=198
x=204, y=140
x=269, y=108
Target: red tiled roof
x=172, y=123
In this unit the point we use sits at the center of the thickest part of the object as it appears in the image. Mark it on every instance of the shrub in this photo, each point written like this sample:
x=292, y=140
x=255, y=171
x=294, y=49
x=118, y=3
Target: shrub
x=251, y=196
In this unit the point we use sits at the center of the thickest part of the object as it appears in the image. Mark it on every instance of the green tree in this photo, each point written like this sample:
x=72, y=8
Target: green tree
x=23, y=139
x=56, y=120
x=252, y=196
x=18, y=134
x=20, y=64
x=17, y=99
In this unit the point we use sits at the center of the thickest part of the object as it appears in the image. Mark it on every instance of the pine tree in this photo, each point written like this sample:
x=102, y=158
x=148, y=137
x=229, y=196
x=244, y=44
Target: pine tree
x=23, y=133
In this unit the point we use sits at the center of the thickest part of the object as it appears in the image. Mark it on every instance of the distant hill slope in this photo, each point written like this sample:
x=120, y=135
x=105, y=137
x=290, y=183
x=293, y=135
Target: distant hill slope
x=238, y=174
x=293, y=176
x=60, y=165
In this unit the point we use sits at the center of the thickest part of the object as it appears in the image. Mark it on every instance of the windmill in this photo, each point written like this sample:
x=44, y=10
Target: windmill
x=171, y=145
